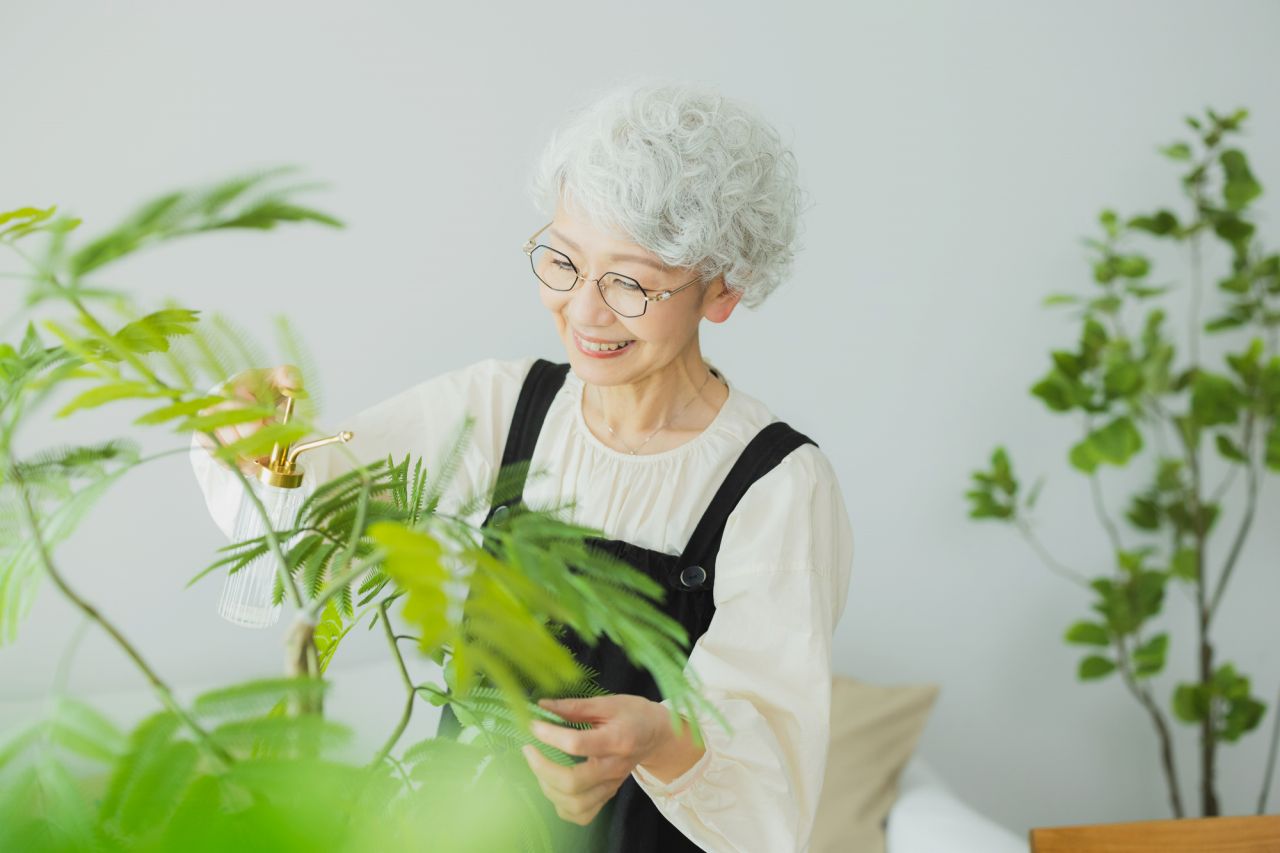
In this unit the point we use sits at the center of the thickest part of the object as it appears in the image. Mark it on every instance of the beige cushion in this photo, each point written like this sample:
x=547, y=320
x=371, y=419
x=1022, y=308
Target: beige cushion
x=874, y=731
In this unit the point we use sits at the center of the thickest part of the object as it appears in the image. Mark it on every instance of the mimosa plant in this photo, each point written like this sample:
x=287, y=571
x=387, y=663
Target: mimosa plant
x=252, y=766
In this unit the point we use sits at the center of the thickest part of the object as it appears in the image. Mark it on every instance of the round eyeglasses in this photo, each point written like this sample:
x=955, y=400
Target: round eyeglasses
x=621, y=293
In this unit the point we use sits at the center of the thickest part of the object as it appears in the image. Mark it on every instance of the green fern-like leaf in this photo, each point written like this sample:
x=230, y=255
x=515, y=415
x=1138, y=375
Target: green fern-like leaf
x=20, y=564
x=253, y=698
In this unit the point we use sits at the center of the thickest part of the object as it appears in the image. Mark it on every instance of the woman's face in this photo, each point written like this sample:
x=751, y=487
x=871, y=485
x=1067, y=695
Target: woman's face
x=664, y=332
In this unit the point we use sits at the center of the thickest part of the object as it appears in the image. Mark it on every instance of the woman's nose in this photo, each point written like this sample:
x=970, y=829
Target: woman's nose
x=587, y=305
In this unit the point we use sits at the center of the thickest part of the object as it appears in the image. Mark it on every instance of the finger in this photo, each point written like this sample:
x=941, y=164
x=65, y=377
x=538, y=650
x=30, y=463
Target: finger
x=286, y=376
x=582, y=805
x=575, y=780
x=581, y=816
x=586, y=709
x=553, y=777
x=584, y=742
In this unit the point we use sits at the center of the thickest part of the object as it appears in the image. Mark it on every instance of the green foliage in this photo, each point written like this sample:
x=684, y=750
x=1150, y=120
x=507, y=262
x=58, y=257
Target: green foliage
x=248, y=201
x=531, y=576
x=1121, y=382
x=1095, y=667
x=1114, y=444
x=1226, y=697
x=1088, y=634
x=64, y=484
x=995, y=491
x=162, y=792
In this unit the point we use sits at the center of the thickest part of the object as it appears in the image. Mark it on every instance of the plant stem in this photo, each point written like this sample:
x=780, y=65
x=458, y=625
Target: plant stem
x=161, y=688
x=1271, y=757
x=412, y=693
x=1204, y=659
x=1208, y=726
x=1066, y=572
x=1237, y=545
x=1095, y=489
x=1162, y=727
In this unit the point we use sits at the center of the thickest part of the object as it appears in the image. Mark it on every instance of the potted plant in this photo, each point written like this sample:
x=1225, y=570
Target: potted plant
x=1144, y=396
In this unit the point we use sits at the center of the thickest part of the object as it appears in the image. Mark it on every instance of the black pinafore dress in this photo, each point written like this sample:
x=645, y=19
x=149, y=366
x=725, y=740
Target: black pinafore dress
x=630, y=822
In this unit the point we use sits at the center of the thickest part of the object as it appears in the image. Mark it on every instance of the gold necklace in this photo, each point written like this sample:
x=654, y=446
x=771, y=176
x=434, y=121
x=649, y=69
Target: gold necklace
x=659, y=429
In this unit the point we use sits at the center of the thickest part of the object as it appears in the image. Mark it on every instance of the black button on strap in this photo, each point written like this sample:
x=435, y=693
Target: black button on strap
x=693, y=577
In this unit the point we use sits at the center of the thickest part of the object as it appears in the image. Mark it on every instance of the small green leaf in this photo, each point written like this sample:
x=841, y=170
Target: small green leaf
x=1058, y=391
x=174, y=410
x=1161, y=223
x=1117, y=441
x=1215, y=399
x=101, y=394
x=1183, y=564
x=1228, y=448
x=1083, y=457
x=1088, y=634
x=1094, y=667
x=1059, y=299
x=1144, y=513
x=261, y=441
x=1240, y=187
x=1149, y=658
x=1190, y=703
x=1178, y=151
x=227, y=417
x=1132, y=266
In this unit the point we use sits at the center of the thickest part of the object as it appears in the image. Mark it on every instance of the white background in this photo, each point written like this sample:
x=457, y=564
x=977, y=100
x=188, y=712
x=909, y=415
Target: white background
x=956, y=153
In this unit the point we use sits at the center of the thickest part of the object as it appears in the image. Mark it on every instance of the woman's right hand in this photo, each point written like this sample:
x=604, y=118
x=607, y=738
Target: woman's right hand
x=241, y=387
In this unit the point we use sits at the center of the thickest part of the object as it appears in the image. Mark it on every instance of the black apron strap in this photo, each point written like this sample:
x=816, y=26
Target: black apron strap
x=540, y=387
x=697, y=564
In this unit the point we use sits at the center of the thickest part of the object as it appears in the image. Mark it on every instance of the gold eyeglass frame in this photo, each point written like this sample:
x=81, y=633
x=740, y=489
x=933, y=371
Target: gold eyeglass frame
x=530, y=245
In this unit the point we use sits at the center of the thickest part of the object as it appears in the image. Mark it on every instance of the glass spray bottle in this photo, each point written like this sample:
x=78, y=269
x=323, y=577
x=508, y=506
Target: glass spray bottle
x=246, y=595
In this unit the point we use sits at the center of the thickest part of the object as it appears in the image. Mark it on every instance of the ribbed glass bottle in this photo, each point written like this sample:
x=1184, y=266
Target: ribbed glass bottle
x=246, y=594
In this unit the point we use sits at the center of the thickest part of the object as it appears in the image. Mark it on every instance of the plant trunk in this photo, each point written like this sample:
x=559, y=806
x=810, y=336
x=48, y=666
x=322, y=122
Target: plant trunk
x=1208, y=730
x=301, y=659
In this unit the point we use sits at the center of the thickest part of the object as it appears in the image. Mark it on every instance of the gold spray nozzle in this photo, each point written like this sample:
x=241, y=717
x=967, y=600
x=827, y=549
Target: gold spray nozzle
x=280, y=470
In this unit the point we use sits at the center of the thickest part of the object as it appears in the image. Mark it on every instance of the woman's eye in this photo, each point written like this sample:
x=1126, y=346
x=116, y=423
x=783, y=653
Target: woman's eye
x=563, y=265
x=629, y=286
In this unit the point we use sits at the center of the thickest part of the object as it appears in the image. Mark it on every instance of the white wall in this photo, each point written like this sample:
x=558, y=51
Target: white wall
x=956, y=152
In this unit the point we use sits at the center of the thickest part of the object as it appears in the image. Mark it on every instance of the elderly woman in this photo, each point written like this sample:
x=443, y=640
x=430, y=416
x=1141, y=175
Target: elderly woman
x=669, y=205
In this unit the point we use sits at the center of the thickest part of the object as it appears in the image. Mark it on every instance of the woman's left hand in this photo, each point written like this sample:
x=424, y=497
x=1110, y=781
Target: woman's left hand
x=626, y=730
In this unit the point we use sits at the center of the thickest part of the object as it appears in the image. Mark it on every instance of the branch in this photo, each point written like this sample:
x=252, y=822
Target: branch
x=1143, y=696
x=1251, y=508
x=1095, y=488
x=1068, y=573
x=166, y=694
x=411, y=691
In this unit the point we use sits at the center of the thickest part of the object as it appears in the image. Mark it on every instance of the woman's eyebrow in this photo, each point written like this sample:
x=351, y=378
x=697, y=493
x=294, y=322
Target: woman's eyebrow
x=637, y=258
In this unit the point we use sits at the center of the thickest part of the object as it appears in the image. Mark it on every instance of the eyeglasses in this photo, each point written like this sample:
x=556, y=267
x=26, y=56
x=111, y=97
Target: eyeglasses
x=620, y=292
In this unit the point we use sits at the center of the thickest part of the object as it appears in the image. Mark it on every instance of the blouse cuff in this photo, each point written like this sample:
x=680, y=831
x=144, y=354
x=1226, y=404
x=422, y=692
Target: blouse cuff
x=678, y=785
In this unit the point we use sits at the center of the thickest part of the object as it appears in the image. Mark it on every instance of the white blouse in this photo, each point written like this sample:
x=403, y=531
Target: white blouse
x=782, y=573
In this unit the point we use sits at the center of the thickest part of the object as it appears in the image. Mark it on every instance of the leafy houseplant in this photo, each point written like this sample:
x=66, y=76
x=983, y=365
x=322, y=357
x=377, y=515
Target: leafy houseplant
x=254, y=765
x=1131, y=386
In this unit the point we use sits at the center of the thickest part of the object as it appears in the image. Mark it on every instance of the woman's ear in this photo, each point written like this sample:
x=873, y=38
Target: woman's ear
x=718, y=300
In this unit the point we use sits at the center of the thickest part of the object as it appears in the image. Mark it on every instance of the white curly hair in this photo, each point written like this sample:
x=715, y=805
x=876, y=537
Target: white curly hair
x=697, y=178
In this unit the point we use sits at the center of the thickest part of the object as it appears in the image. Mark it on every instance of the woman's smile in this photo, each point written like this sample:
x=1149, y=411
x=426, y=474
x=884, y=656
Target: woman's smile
x=599, y=348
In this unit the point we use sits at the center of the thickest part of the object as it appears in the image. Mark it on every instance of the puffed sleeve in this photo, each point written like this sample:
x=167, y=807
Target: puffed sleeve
x=421, y=420
x=781, y=578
